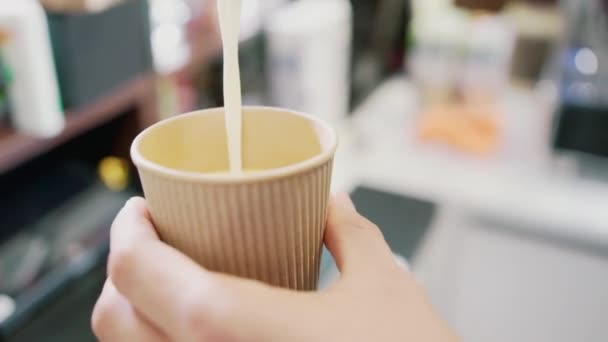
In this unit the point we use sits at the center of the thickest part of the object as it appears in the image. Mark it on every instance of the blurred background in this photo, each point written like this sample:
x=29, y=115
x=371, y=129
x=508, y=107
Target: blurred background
x=475, y=133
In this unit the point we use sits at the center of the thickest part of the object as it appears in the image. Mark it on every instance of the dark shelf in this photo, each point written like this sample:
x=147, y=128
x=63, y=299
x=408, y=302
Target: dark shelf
x=76, y=237
x=17, y=148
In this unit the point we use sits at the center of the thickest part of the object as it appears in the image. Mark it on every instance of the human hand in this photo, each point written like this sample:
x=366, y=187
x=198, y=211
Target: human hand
x=155, y=293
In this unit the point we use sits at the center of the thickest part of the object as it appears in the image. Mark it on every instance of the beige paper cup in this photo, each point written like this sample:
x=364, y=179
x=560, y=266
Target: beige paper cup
x=265, y=224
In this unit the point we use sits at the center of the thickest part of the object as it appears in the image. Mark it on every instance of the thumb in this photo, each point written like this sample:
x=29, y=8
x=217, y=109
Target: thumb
x=356, y=244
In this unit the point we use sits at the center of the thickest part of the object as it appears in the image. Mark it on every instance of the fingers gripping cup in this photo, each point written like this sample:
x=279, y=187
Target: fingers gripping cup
x=265, y=223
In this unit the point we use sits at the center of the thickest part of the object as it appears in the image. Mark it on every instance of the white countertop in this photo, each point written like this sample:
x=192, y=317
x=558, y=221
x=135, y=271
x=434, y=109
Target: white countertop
x=377, y=149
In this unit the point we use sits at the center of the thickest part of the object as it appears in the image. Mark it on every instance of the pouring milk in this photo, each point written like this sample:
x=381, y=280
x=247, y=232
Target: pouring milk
x=230, y=24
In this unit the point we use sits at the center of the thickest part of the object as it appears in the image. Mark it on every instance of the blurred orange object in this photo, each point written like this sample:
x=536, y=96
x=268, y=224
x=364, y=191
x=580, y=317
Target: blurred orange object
x=471, y=128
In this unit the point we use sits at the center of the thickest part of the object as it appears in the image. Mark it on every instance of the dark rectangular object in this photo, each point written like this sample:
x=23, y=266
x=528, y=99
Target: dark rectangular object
x=96, y=52
x=487, y=5
x=583, y=129
x=403, y=220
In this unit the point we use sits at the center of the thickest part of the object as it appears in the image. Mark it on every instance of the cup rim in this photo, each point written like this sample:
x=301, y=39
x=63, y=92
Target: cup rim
x=326, y=154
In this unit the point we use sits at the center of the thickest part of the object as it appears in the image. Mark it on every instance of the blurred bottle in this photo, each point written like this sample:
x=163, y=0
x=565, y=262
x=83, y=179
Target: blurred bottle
x=436, y=59
x=308, y=57
x=170, y=46
x=34, y=91
x=489, y=51
x=460, y=66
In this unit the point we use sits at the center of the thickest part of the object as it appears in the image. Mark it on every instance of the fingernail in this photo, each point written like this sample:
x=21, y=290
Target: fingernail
x=343, y=200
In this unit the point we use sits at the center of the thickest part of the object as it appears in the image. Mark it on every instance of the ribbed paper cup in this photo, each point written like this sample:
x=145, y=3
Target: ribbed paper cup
x=266, y=223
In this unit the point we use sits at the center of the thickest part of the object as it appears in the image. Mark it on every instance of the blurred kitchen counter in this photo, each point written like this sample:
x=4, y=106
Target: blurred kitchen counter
x=517, y=248
x=520, y=183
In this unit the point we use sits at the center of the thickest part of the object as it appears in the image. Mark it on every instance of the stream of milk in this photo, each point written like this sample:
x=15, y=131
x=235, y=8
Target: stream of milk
x=229, y=17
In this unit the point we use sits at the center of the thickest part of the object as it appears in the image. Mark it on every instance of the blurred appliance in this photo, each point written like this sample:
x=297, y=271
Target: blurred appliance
x=96, y=52
x=308, y=57
x=582, y=120
x=26, y=50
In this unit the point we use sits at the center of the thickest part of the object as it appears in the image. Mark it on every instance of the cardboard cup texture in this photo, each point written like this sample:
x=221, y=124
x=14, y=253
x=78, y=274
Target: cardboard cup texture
x=266, y=223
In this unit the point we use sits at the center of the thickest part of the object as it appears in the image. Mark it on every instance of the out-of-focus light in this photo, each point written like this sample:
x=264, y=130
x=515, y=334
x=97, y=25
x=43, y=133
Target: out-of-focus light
x=250, y=19
x=169, y=11
x=586, y=62
x=114, y=173
x=7, y=307
x=582, y=91
x=170, y=48
x=167, y=35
